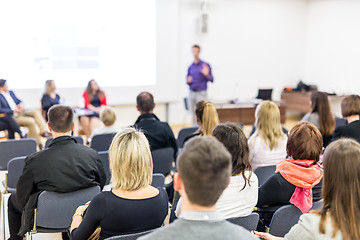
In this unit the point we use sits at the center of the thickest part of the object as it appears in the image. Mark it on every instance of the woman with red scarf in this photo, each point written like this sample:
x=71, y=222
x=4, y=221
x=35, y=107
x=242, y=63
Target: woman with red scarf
x=297, y=180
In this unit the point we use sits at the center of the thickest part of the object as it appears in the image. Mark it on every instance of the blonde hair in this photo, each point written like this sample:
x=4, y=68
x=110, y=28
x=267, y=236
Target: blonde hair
x=48, y=89
x=130, y=160
x=108, y=116
x=207, y=115
x=268, y=125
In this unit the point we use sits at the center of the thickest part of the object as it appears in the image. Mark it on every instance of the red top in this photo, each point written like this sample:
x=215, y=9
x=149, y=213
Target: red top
x=87, y=102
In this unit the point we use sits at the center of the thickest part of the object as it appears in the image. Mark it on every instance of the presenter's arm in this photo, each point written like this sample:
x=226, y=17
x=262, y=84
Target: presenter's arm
x=206, y=71
x=188, y=77
x=210, y=76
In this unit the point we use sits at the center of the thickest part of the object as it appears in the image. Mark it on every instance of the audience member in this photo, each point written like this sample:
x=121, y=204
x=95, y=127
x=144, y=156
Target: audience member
x=268, y=143
x=11, y=105
x=338, y=218
x=321, y=116
x=49, y=98
x=94, y=100
x=159, y=134
x=10, y=125
x=350, y=108
x=204, y=172
x=133, y=205
x=206, y=117
x=108, y=118
x=64, y=167
x=297, y=180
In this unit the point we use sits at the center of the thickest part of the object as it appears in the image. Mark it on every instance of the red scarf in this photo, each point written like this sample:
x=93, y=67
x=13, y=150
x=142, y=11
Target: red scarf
x=304, y=175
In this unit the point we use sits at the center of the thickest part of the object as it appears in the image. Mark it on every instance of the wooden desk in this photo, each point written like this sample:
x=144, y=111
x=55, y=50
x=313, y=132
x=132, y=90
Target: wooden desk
x=244, y=112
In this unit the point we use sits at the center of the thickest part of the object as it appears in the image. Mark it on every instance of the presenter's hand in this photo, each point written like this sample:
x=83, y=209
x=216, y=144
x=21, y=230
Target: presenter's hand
x=205, y=70
x=189, y=79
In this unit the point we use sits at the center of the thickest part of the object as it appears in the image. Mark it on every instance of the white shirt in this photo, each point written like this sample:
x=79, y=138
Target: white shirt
x=9, y=99
x=261, y=155
x=235, y=202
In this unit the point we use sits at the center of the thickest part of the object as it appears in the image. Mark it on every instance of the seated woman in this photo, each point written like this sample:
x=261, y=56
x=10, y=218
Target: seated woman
x=132, y=205
x=49, y=98
x=321, y=116
x=94, y=100
x=268, y=143
x=206, y=117
x=338, y=218
x=297, y=180
x=240, y=197
x=350, y=108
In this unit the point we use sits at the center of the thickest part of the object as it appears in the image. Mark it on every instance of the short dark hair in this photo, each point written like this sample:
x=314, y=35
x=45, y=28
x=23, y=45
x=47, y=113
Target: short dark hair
x=305, y=142
x=350, y=106
x=204, y=166
x=235, y=141
x=196, y=46
x=145, y=102
x=60, y=118
x=2, y=82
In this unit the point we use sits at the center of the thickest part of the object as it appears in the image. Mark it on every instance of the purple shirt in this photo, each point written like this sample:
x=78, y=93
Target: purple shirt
x=199, y=81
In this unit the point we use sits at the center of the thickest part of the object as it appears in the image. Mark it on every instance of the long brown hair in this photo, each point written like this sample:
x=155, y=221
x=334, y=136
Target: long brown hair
x=268, y=124
x=341, y=188
x=89, y=91
x=207, y=115
x=320, y=105
x=236, y=143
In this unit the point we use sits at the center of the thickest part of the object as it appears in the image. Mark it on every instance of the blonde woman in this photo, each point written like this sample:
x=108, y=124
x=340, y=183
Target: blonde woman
x=49, y=98
x=108, y=118
x=132, y=205
x=206, y=117
x=268, y=143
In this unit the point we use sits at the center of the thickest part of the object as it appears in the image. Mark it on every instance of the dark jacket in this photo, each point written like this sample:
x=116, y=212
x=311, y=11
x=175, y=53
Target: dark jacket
x=64, y=167
x=351, y=130
x=4, y=105
x=159, y=134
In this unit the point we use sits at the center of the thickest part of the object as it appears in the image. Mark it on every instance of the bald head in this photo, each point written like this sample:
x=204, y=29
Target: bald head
x=145, y=102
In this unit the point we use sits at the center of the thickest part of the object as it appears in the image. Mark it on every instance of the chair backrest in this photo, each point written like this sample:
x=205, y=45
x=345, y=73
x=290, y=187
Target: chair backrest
x=183, y=134
x=104, y=156
x=102, y=142
x=340, y=122
x=158, y=180
x=249, y=222
x=318, y=205
x=15, y=169
x=162, y=160
x=133, y=236
x=283, y=220
x=54, y=210
x=264, y=173
x=15, y=148
x=265, y=94
x=78, y=139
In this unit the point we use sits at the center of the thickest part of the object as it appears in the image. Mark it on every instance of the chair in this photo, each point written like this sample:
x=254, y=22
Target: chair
x=265, y=94
x=286, y=217
x=15, y=148
x=264, y=173
x=55, y=210
x=78, y=139
x=162, y=160
x=133, y=236
x=340, y=122
x=102, y=142
x=15, y=169
x=104, y=156
x=158, y=180
x=249, y=222
x=183, y=134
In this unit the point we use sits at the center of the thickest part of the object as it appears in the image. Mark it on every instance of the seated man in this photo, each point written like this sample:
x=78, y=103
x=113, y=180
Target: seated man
x=9, y=124
x=204, y=172
x=11, y=105
x=64, y=167
x=159, y=134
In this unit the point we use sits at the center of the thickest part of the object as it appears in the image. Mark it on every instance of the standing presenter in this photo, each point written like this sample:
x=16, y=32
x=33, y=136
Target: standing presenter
x=199, y=74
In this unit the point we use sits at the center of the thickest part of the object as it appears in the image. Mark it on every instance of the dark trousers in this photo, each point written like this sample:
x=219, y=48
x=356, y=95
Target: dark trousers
x=9, y=124
x=14, y=215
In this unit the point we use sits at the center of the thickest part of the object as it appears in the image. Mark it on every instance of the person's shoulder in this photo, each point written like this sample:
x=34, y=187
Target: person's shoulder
x=237, y=231
x=171, y=231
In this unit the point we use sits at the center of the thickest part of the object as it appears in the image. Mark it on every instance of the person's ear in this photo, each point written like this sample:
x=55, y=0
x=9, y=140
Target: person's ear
x=49, y=127
x=137, y=107
x=154, y=105
x=73, y=127
x=177, y=182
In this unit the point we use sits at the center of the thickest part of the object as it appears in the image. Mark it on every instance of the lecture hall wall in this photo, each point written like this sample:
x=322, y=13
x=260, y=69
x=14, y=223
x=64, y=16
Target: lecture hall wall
x=251, y=44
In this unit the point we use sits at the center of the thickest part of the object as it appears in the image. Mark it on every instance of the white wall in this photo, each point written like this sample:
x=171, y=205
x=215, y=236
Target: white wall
x=333, y=45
